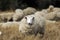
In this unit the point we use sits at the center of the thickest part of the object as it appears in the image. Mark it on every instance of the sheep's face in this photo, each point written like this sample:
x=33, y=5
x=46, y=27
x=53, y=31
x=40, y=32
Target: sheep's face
x=51, y=7
x=29, y=20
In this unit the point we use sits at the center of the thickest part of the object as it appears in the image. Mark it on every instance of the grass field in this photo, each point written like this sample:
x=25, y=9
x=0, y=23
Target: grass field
x=52, y=32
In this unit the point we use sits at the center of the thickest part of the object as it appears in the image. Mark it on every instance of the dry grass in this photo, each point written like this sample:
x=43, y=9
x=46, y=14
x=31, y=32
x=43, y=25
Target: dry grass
x=52, y=32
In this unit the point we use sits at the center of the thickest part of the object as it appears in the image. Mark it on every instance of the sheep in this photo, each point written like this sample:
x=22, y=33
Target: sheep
x=23, y=26
x=6, y=17
x=57, y=18
x=32, y=23
x=56, y=9
x=9, y=24
x=58, y=14
x=44, y=10
x=53, y=9
x=50, y=9
x=18, y=15
x=42, y=13
x=53, y=15
x=48, y=16
x=29, y=10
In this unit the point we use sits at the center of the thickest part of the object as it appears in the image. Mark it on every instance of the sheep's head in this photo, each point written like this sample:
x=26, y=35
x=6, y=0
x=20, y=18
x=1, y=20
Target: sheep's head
x=51, y=7
x=30, y=19
x=18, y=11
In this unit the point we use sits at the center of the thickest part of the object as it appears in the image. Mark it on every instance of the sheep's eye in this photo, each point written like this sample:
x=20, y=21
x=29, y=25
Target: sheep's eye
x=33, y=18
x=25, y=17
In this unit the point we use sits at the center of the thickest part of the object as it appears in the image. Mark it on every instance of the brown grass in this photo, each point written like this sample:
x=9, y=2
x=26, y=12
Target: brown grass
x=52, y=32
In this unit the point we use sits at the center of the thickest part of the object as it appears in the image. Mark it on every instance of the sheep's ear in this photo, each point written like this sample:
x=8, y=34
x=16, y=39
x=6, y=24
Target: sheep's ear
x=25, y=17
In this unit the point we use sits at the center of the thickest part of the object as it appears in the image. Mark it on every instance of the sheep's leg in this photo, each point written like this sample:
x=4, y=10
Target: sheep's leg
x=5, y=20
x=35, y=30
x=41, y=31
x=14, y=19
x=8, y=19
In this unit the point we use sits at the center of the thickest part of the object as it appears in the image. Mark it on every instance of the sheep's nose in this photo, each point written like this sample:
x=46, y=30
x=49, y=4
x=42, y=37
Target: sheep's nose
x=30, y=23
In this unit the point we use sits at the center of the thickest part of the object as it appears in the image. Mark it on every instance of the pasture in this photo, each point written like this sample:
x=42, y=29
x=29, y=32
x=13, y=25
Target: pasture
x=52, y=32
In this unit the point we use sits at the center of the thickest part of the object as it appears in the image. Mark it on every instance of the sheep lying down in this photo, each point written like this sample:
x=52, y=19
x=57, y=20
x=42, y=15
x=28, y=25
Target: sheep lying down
x=18, y=15
x=49, y=16
x=9, y=24
x=29, y=10
x=6, y=16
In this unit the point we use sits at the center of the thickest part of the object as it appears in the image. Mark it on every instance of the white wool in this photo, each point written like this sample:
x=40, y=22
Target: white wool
x=25, y=27
x=40, y=13
x=6, y=16
x=56, y=9
x=51, y=15
x=49, y=21
x=53, y=9
x=58, y=14
x=50, y=9
x=18, y=14
x=37, y=22
x=46, y=15
x=9, y=24
x=45, y=11
x=29, y=10
x=18, y=11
